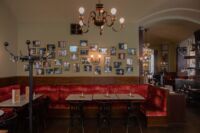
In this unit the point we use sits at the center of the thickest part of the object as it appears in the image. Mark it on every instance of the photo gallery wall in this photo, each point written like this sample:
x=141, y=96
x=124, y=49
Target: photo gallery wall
x=83, y=57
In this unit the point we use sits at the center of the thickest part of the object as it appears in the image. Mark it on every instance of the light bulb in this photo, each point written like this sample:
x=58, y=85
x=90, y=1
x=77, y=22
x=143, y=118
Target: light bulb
x=81, y=10
x=81, y=23
x=121, y=20
x=113, y=11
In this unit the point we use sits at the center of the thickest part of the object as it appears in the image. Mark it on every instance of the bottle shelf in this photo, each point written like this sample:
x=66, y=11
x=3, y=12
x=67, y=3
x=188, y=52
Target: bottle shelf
x=189, y=57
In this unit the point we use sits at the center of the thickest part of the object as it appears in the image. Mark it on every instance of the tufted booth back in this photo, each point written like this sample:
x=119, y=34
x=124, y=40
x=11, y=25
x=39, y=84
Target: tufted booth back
x=6, y=92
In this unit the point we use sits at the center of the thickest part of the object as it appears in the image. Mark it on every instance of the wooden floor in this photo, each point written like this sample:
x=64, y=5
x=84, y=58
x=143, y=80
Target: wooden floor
x=191, y=126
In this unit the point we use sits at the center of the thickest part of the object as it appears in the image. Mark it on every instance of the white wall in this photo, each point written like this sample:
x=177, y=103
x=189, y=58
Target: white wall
x=8, y=32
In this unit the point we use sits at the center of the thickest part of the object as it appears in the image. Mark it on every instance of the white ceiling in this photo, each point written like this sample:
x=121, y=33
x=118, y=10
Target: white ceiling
x=172, y=31
x=30, y=11
x=60, y=10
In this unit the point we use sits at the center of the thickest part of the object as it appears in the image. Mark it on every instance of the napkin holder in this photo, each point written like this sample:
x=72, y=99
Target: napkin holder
x=27, y=89
x=15, y=95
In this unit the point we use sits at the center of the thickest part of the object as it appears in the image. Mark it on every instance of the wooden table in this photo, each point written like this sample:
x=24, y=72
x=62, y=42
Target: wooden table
x=76, y=102
x=3, y=131
x=132, y=97
x=79, y=97
x=105, y=97
x=23, y=101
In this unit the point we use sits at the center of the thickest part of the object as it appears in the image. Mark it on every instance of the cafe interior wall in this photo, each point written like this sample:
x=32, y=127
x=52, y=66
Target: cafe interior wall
x=8, y=32
x=52, y=32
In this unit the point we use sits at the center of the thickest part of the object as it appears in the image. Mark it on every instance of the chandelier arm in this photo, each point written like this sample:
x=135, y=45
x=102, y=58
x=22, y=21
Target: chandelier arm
x=15, y=57
x=116, y=30
x=92, y=16
x=111, y=19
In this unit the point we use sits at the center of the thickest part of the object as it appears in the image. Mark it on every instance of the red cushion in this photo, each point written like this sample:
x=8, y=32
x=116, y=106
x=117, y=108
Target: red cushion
x=51, y=91
x=156, y=113
x=8, y=112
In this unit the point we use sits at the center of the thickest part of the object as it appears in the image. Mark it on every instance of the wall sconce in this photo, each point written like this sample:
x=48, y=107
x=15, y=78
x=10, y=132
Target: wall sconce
x=95, y=59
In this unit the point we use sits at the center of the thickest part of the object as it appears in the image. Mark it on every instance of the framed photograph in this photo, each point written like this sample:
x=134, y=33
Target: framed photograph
x=84, y=52
x=33, y=51
x=120, y=71
x=62, y=52
x=38, y=64
x=93, y=47
x=74, y=57
x=131, y=51
x=97, y=70
x=129, y=61
x=83, y=43
x=57, y=70
x=85, y=60
x=26, y=67
x=88, y=68
x=117, y=64
x=41, y=51
x=113, y=51
x=73, y=48
x=51, y=47
x=40, y=71
x=103, y=50
x=36, y=43
x=107, y=60
x=61, y=44
x=76, y=67
x=129, y=70
x=108, y=69
x=50, y=71
x=121, y=56
x=123, y=46
x=66, y=66
x=51, y=55
x=58, y=62
x=47, y=64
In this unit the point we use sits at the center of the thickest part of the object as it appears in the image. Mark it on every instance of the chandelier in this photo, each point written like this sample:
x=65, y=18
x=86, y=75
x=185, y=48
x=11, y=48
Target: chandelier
x=99, y=18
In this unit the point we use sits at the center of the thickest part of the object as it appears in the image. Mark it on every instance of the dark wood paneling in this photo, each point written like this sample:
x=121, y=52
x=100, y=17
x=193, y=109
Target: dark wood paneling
x=8, y=81
x=81, y=80
x=23, y=80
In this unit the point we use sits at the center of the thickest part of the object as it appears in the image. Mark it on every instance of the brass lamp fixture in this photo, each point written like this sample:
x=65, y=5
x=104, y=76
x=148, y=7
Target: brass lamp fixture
x=146, y=51
x=99, y=18
x=146, y=55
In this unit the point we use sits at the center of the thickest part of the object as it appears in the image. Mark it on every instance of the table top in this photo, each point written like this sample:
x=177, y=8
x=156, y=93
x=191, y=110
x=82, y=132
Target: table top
x=79, y=97
x=1, y=112
x=90, y=97
x=105, y=97
x=136, y=97
x=23, y=101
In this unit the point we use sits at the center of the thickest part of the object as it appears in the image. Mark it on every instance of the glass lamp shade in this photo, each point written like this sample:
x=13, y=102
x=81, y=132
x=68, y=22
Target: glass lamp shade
x=81, y=23
x=81, y=10
x=113, y=11
x=121, y=20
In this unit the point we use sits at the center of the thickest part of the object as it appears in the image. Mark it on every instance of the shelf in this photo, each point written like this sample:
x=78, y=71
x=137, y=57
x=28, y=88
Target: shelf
x=189, y=57
x=191, y=68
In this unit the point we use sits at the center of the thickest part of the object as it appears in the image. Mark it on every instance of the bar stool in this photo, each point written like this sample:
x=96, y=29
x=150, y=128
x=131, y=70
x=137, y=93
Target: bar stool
x=76, y=115
x=104, y=115
x=133, y=112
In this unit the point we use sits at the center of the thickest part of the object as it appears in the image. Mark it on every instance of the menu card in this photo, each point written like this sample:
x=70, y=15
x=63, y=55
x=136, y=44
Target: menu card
x=27, y=89
x=15, y=95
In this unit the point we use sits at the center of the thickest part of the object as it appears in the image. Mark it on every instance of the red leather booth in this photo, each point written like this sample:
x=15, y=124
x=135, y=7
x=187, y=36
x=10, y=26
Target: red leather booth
x=155, y=108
